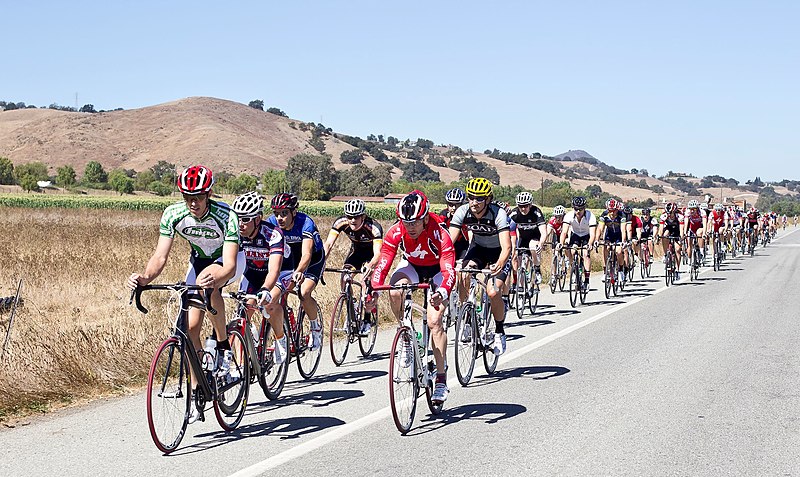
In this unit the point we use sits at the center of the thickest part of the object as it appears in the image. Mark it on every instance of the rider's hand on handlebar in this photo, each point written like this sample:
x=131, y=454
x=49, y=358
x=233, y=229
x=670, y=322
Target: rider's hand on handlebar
x=264, y=297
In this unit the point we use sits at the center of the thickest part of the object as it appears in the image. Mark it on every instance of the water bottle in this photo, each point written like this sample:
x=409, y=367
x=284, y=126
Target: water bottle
x=421, y=344
x=210, y=354
x=254, y=332
x=479, y=307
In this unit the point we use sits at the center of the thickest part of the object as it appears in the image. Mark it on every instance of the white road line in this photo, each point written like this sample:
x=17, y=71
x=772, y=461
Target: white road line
x=342, y=431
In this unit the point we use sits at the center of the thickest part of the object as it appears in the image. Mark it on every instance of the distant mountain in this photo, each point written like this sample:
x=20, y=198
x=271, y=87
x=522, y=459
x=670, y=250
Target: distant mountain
x=574, y=155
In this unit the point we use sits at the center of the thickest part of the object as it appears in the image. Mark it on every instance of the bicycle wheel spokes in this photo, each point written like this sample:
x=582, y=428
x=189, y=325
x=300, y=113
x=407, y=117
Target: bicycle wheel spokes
x=339, y=332
x=533, y=299
x=465, y=343
x=403, y=386
x=233, y=387
x=168, y=396
x=522, y=291
x=489, y=358
x=273, y=376
x=307, y=356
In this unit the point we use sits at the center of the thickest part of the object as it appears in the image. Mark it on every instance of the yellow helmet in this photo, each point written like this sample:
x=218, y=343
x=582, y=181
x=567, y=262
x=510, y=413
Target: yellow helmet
x=479, y=187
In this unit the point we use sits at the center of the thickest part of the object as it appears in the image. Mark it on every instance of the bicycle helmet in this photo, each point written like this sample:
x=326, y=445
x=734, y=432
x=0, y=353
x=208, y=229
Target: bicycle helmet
x=284, y=200
x=753, y=210
x=559, y=210
x=503, y=205
x=524, y=198
x=248, y=205
x=479, y=187
x=455, y=196
x=703, y=206
x=719, y=207
x=195, y=180
x=627, y=209
x=578, y=202
x=646, y=211
x=355, y=207
x=612, y=204
x=413, y=206
x=692, y=204
x=671, y=207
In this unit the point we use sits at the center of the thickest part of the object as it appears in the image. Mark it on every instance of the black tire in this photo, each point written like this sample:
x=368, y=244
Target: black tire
x=562, y=277
x=232, y=391
x=553, y=282
x=465, y=351
x=403, y=385
x=574, y=286
x=339, y=330
x=273, y=377
x=521, y=292
x=533, y=299
x=367, y=343
x=489, y=358
x=307, y=358
x=168, y=396
x=608, y=280
x=435, y=408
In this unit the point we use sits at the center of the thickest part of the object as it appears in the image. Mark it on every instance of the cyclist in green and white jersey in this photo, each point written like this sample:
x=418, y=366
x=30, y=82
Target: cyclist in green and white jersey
x=212, y=231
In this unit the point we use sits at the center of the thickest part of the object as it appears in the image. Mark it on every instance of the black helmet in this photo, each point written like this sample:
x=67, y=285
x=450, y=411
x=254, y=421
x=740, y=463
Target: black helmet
x=578, y=202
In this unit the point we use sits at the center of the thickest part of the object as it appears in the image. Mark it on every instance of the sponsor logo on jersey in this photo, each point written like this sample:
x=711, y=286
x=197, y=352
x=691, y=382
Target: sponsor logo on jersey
x=482, y=228
x=200, y=232
x=418, y=252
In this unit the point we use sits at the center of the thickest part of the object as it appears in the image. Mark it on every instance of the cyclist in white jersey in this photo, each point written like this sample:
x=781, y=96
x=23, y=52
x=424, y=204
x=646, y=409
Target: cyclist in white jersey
x=579, y=229
x=212, y=231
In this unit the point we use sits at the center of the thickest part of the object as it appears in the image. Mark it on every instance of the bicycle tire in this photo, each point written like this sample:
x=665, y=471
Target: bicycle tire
x=403, y=385
x=273, y=377
x=231, y=397
x=489, y=358
x=562, y=272
x=533, y=299
x=366, y=344
x=307, y=358
x=435, y=408
x=553, y=282
x=582, y=290
x=521, y=291
x=168, y=395
x=339, y=330
x=608, y=279
x=574, y=289
x=465, y=351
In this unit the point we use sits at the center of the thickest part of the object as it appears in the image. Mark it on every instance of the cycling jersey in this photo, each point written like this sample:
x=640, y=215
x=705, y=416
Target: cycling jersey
x=528, y=224
x=302, y=228
x=648, y=224
x=752, y=218
x=581, y=227
x=718, y=219
x=205, y=235
x=557, y=226
x=268, y=241
x=696, y=220
x=432, y=248
x=613, y=226
x=361, y=239
x=672, y=225
x=636, y=223
x=486, y=230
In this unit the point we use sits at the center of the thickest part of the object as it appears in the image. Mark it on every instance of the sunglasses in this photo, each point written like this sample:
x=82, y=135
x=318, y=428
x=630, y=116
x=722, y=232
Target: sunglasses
x=282, y=213
x=526, y=206
x=578, y=209
x=195, y=198
x=246, y=220
x=473, y=198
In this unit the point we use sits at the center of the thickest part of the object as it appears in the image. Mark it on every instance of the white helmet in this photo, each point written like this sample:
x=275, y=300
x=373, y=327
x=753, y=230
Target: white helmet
x=559, y=210
x=703, y=206
x=719, y=207
x=692, y=204
x=248, y=205
x=524, y=198
x=354, y=208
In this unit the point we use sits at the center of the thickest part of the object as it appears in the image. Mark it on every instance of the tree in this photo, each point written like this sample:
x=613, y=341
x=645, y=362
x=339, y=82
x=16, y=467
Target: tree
x=159, y=188
x=424, y=143
x=65, y=176
x=352, y=156
x=372, y=138
x=380, y=138
x=392, y=141
x=94, y=173
x=317, y=143
x=165, y=172
x=87, y=108
x=274, y=181
x=256, y=104
x=6, y=171
x=418, y=171
x=143, y=180
x=310, y=189
x=277, y=112
x=594, y=190
x=319, y=167
x=242, y=183
x=29, y=183
x=27, y=175
x=120, y=182
x=360, y=180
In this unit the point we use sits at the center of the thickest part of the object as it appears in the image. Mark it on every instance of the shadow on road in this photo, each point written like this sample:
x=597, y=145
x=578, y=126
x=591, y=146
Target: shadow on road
x=343, y=377
x=603, y=302
x=566, y=312
x=317, y=398
x=527, y=323
x=488, y=413
x=537, y=373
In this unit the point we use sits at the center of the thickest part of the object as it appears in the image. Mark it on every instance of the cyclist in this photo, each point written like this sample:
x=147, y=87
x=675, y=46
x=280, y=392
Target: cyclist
x=212, y=231
x=366, y=238
x=428, y=255
x=718, y=221
x=649, y=226
x=635, y=226
x=307, y=253
x=455, y=198
x=735, y=222
x=752, y=226
x=531, y=227
x=670, y=225
x=490, y=247
x=695, y=221
x=613, y=230
x=512, y=231
x=580, y=227
x=784, y=220
x=555, y=226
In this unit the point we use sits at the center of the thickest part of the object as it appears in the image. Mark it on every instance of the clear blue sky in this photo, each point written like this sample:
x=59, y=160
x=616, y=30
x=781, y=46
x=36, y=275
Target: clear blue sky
x=707, y=87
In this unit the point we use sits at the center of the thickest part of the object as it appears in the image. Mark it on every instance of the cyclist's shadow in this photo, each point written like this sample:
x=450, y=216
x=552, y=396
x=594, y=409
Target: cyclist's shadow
x=490, y=413
x=536, y=373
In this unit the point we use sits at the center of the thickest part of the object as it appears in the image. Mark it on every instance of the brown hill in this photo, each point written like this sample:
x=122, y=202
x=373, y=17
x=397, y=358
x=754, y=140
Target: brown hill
x=224, y=135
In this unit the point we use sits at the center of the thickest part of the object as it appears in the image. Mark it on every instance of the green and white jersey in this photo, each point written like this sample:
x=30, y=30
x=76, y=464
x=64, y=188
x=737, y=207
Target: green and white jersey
x=205, y=235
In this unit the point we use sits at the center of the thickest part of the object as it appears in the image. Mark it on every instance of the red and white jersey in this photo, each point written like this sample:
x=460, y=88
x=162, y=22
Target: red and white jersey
x=668, y=221
x=717, y=219
x=432, y=247
x=696, y=219
x=557, y=226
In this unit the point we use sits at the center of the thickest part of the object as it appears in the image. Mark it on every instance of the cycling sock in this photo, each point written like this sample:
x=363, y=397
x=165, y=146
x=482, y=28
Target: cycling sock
x=223, y=345
x=498, y=327
x=537, y=268
x=441, y=378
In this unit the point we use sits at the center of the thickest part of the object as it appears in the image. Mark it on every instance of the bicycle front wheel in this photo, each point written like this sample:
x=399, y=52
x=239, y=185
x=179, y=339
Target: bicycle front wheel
x=403, y=385
x=367, y=343
x=273, y=376
x=522, y=292
x=465, y=343
x=562, y=272
x=489, y=358
x=233, y=387
x=533, y=299
x=168, y=396
x=574, y=286
x=339, y=332
x=307, y=355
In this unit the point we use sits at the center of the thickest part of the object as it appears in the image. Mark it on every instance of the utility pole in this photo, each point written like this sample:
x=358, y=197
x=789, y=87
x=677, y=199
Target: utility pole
x=542, y=200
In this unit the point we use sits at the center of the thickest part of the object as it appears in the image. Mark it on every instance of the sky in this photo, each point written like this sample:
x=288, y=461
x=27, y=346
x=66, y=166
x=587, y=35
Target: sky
x=704, y=87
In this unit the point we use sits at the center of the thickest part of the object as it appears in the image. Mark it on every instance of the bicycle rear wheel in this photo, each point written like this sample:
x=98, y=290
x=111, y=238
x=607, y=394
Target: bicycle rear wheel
x=367, y=343
x=554, y=273
x=307, y=357
x=233, y=388
x=562, y=272
x=168, y=396
x=403, y=385
x=273, y=376
x=436, y=408
x=339, y=331
x=465, y=343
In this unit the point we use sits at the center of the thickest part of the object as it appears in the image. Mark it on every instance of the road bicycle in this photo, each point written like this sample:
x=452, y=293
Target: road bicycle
x=696, y=259
x=578, y=288
x=527, y=290
x=630, y=255
x=348, y=318
x=411, y=366
x=300, y=344
x=558, y=269
x=719, y=252
x=752, y=241
x=170, y=388
x=645, y=258
x=671, y=262
x=475, y=327
x=611, y=276
x=260, y=343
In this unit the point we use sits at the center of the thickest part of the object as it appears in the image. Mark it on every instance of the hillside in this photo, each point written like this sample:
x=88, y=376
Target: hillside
x=234, y=137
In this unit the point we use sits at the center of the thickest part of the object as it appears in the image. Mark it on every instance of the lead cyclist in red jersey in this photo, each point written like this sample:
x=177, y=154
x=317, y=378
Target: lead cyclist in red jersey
x=428, y=255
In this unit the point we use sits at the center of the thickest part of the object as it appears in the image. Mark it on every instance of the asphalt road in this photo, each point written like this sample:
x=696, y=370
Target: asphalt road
x=698, y=379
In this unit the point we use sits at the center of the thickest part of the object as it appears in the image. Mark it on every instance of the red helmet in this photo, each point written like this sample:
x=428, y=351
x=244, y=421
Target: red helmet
x=753, y=210
x=612, y=204
x=671, y=207
x=195, y=180
x=412, y=207
x=284, y=200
